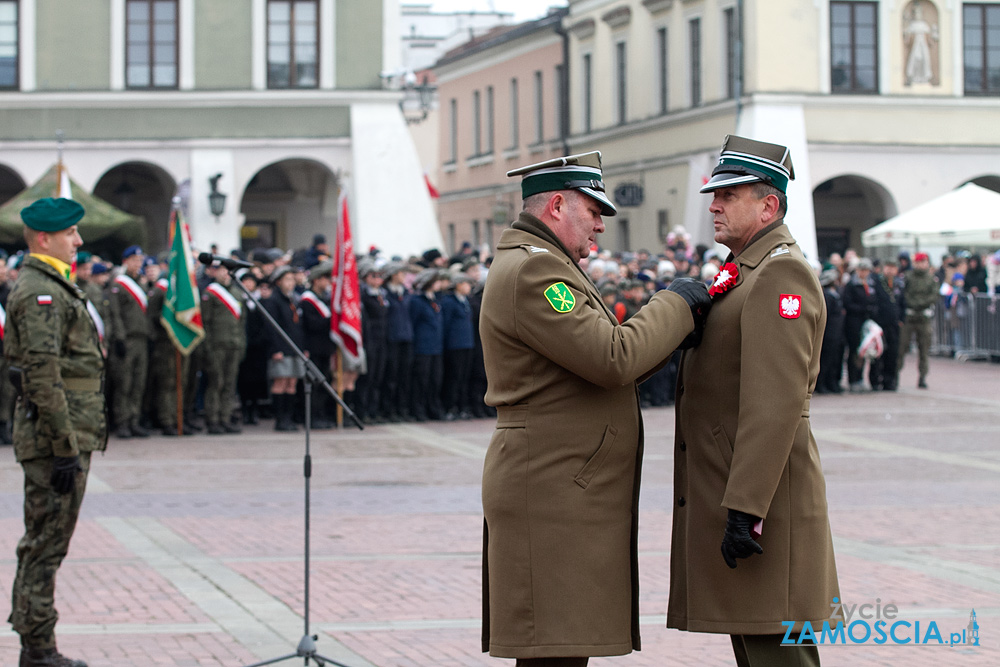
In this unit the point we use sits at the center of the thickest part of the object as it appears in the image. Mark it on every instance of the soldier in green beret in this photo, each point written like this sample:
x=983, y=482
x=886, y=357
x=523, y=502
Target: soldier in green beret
x=53, y=346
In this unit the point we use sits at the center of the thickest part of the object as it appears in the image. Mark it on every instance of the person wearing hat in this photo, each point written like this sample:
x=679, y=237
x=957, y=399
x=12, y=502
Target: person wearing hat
x=54, y=342
x=831, y=358
x=883, y=372
x=396, y=398
x=424, y=308
x=285, y=368
x=459, y=343
x=252, y=382
x=129, y=344
x=920, y=294
x=747, y=474
x=223, y=315
x=315, y=303
x=561, y=476
x=860, y=305
x=374, y=333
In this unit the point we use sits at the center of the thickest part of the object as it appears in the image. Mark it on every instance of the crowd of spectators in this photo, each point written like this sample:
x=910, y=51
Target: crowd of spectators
x=422, y=353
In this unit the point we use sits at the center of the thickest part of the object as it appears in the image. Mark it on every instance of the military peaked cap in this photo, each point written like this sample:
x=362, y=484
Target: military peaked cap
x=747, y=161
x=574, y=172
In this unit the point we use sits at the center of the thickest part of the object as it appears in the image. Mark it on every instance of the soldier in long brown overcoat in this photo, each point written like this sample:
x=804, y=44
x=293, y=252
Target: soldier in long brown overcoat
x=746, y=464
x=561, y=477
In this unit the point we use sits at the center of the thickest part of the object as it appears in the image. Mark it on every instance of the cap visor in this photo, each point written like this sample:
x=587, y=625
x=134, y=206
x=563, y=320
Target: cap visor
x=607, y=208
x=725, y=180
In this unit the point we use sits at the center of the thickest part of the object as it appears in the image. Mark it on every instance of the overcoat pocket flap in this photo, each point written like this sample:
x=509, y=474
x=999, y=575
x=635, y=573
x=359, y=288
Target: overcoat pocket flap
x=590, y=469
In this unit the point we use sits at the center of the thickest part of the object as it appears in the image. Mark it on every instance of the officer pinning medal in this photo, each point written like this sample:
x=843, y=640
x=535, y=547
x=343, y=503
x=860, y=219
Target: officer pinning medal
x=561, y=476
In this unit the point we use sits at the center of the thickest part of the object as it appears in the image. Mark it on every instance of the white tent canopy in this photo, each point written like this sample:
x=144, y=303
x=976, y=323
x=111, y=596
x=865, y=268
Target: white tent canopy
x=968, y=216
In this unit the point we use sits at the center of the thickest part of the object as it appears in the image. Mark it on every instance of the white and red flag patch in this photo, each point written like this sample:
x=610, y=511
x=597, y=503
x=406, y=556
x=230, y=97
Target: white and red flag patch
x=790, y=306
x=44, y=299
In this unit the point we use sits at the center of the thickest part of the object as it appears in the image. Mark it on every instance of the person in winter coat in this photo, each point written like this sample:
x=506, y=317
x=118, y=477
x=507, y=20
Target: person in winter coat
x=456, y=319
x=859, y=304
x=428, y=346
x=561, y=476
x=747, y=475
x=831, y=358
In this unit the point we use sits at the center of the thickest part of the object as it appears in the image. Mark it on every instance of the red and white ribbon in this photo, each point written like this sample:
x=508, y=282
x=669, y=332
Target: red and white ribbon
x=132, y=288
x=317, y=303
x=227, y=299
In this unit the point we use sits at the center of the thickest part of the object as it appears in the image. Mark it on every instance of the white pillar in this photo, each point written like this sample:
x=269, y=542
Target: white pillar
x=785, y=124
x=390, y=205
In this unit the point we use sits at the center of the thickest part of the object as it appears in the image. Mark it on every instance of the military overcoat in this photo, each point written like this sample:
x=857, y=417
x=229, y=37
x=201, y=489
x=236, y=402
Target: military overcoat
x=743, y=441
x=561, y=476
x=53, y=338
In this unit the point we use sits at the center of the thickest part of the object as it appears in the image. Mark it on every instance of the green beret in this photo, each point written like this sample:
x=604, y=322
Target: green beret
x=52, y=215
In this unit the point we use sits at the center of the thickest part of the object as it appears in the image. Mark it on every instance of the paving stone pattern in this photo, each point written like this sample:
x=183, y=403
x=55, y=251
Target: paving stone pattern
x=190, y=550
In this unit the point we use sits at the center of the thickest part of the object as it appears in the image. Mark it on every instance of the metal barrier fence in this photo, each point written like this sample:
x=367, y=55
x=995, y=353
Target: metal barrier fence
x=970, y=329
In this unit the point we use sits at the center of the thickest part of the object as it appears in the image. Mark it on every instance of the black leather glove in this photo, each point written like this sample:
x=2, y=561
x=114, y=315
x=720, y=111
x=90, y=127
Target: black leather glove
x=696, y=295
x=64, y=470
x=119, y=348
x=737, y=542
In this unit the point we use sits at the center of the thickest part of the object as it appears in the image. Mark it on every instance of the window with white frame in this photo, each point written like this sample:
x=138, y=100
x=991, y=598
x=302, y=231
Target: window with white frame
x=292, y=44
x=452, y=130
x=514, y=115
x=981, y=48
x=694, y=58
x=539, y=108
x=151, y=43
x=8, y=44
x=587, y=86
x=621, y=82
x=489, y=119
x=854, y=47
x=662, y=71
x=733, y=39
x=477, y=131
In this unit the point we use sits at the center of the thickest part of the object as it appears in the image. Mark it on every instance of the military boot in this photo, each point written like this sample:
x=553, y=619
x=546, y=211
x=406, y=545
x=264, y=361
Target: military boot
x=47, y=657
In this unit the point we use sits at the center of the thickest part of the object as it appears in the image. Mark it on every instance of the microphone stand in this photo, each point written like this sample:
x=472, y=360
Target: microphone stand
x=307, y=645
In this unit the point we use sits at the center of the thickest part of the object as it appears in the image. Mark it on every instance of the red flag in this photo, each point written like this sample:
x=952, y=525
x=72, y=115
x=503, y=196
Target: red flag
x=430, y=187
x=345, y=319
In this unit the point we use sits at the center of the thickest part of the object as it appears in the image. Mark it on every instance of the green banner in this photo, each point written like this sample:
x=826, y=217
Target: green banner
x=182, y=304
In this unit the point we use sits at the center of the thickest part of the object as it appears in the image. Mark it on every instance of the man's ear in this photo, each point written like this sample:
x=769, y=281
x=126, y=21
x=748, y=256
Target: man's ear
x=771, y=205
x=556, y=205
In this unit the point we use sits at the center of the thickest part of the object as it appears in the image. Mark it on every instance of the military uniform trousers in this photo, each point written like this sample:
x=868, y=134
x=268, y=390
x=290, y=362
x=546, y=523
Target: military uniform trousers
x=921, y=326
x=49, y=521
x=767, y=651
x=222, y=367
x=163, y=368
x=129, y=377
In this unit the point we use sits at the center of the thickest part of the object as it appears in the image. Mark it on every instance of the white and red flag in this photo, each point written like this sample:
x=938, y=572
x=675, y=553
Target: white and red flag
x=345, y=316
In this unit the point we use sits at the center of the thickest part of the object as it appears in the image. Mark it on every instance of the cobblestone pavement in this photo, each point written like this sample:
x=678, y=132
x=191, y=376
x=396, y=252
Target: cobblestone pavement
x=189, y=551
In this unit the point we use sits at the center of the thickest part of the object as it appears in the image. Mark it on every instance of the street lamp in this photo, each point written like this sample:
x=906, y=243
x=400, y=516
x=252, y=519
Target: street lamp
x=216, y=199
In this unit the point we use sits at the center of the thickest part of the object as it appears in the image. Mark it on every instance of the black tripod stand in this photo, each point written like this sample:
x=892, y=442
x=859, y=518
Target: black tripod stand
x=307, y=645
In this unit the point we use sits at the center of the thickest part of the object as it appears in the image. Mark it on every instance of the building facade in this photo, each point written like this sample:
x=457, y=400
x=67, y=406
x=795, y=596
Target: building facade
x=500, y=107
x=884, y=106
x=282, y=100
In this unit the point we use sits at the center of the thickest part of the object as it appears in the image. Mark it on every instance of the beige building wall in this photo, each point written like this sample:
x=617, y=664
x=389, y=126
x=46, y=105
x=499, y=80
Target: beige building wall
x=477, y=199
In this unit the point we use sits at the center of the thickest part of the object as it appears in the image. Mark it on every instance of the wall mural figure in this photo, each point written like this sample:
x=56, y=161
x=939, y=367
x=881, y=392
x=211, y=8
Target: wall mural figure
x=920, y=43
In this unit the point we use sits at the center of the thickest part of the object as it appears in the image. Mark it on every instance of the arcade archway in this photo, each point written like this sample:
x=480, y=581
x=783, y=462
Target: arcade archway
x=844, y=207
x=145, y=190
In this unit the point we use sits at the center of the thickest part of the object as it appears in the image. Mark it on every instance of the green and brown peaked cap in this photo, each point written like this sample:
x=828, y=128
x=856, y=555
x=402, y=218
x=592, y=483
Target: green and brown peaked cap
x=747, y=161
x=574, y=172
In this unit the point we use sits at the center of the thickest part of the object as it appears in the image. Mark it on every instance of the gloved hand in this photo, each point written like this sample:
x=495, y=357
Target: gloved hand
x=119, y=348
x=64, y=470
x=696, y=295
x=738, y=542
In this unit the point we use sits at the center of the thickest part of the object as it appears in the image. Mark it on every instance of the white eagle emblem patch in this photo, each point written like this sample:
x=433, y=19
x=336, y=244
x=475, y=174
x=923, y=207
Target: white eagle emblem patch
x=789, y=306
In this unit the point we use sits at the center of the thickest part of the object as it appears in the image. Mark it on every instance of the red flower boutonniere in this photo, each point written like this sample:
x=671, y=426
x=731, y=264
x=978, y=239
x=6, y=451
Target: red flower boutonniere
x=724, y=279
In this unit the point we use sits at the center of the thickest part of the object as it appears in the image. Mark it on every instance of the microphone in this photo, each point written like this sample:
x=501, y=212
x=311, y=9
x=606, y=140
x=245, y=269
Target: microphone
x=208, y=259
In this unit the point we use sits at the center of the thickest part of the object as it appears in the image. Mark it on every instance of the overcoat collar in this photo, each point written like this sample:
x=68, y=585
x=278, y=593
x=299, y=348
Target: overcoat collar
x=762, y=243
x=529, y=224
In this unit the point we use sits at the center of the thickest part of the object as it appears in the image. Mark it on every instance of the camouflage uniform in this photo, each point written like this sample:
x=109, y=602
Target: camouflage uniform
x=225, y=345
x=920, y=294
x=163, y=366
x=52, y=337
x=130, y=334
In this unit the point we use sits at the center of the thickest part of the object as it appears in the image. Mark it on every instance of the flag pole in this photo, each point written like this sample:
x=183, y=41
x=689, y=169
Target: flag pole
x=180, y=391
x=340, y=387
